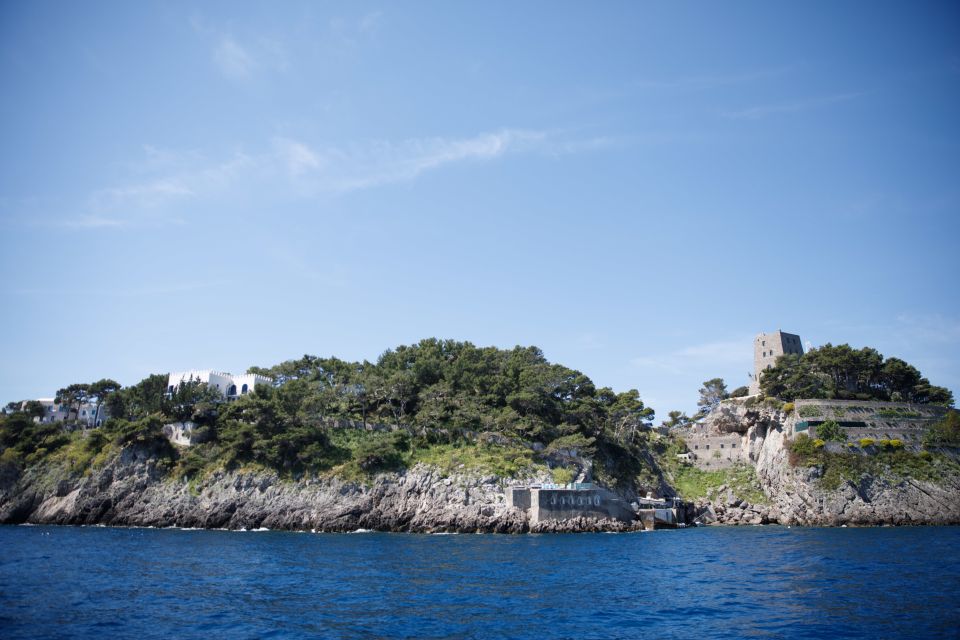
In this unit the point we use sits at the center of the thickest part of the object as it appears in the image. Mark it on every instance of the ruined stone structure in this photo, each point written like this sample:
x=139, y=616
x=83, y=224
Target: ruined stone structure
x=711, y=451
x=767, y=347
x=862, y=419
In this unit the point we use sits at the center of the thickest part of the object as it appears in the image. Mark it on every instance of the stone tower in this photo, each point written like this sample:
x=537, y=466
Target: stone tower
x=767, y=347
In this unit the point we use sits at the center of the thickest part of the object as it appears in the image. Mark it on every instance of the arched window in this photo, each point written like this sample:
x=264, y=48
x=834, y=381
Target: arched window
x=232, y=390
x=243, y=389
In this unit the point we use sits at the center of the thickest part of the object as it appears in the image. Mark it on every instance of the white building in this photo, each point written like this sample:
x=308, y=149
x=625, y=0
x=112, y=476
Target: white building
x=229, y=385
x=53, y=412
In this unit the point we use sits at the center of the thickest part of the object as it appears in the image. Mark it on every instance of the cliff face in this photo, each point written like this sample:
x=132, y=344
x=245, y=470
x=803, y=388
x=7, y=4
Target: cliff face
x=132, y=490
x=798, y=497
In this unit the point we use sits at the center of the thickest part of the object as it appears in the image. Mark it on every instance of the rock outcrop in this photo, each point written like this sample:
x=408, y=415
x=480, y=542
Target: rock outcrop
x=797, y=496
x=132, y=490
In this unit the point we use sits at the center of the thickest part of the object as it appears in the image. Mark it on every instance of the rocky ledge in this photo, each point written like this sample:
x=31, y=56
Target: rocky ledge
x=132, y=490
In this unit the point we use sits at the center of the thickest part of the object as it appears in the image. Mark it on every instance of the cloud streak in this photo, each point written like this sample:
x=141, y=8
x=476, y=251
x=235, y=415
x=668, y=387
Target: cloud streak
x=285, y=166
x=798, y=106
x=233, y=60
x=374, y=164
x=699, y=83
x=708, y=356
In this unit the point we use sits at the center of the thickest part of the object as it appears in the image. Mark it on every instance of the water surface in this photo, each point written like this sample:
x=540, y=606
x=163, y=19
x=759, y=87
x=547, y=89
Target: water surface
x=59, y=582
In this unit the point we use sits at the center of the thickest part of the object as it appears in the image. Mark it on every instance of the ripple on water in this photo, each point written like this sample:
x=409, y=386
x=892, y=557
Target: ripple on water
x=767, y=581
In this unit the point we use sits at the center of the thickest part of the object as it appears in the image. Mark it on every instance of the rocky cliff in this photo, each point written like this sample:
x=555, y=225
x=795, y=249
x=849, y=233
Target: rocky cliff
x=134, y=490
x=797, y=495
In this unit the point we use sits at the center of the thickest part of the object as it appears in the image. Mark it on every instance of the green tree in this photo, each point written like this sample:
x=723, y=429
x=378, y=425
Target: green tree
x=676, y=420
x=945, y=433
x=791, y=378
x=34, y=409
x=193, y=400
x=711, y=393
x=628, y=414
x=831, y=431
x=74, y=396
x=100, y=391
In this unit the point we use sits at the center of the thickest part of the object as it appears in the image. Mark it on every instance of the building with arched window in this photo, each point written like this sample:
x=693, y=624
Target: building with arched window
x=229, y=385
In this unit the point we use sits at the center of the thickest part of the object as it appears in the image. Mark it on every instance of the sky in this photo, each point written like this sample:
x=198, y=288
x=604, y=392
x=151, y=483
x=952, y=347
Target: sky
x=637, y=188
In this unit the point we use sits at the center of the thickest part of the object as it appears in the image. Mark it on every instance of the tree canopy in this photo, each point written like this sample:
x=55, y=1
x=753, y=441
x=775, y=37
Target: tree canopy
x=711, y=393
x=435, y=393
x=842, y=372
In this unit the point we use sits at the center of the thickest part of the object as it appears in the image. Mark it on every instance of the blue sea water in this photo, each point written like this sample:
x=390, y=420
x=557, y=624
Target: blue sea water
x=79, y=582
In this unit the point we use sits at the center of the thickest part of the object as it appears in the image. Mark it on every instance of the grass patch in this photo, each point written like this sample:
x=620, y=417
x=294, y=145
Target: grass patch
x=504, y=461
x=809, y=412
x=692, y=483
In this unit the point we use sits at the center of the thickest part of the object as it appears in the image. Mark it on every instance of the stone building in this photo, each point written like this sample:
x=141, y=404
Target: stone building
x=767, y=347
x=563, y=502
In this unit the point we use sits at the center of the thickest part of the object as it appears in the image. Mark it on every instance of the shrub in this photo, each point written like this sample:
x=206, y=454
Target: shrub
x=380, y=455
x=866, y=442
x=896, y=443
x=830, y=430
x=562, y=475
x=809, y=412
x=740, y=392
x=884, y=443
x=818, y=443
x=801, y=448
x=944, y=433
x=788, y=407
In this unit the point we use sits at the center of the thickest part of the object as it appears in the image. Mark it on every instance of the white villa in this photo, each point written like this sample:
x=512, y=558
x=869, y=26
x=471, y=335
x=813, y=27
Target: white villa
x=53, y=412
x=229, y=385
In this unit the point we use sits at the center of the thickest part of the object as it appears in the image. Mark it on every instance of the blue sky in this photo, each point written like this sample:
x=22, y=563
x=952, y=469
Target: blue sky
x=636, y=188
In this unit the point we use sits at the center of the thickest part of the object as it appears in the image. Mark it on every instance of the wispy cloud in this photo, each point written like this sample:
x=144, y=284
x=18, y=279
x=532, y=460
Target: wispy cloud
x=232, y=59
x=288, y=166
x=712, y=81
x=929, y=328
x=149, y=194
x=370, y=22
x=121, y=292
x=298, y=157
x=240, y=58
x=372, y=164
x=762, y=111
x=704, y=357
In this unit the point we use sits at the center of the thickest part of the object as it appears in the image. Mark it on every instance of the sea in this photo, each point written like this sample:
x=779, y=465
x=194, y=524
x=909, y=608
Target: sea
x=713, y=582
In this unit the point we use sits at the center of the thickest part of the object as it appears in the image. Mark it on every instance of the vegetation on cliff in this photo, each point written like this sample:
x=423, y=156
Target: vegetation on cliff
x=443, y=402
x=877, y=459
x=841, y=372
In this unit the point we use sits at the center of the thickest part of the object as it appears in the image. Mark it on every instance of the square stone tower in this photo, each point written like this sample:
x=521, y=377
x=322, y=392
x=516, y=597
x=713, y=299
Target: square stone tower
x=767, y=347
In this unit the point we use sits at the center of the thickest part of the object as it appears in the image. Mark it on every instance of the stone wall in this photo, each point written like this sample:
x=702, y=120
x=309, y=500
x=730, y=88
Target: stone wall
x=716, y=451
x=866, y=419
x=541, y=504
x=767, y=347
